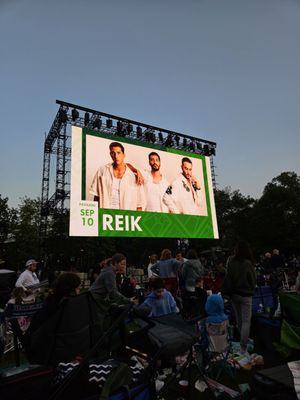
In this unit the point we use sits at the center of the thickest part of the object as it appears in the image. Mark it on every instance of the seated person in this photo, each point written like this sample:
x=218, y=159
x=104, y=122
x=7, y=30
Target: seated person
x=18, y=296
x=160, y=300
x=214, y=309
x=65, y=285
x=106, y=286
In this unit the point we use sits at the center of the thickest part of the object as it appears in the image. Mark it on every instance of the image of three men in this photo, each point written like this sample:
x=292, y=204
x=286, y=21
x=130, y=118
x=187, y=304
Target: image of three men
x=120, y=185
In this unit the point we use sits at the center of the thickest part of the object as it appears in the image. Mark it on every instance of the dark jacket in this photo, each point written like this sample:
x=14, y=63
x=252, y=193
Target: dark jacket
x=191, y=270
x=106, y=287
x=242, y=275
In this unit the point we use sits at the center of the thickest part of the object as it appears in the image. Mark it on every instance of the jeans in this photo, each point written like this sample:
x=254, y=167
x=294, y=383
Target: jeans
x=242, y=307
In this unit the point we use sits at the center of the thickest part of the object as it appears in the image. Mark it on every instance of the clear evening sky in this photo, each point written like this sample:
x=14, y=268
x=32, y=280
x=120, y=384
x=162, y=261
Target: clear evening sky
x=224, y=70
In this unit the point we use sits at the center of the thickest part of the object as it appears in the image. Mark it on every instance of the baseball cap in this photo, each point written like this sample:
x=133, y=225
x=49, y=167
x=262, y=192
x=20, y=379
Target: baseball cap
x=30, y=262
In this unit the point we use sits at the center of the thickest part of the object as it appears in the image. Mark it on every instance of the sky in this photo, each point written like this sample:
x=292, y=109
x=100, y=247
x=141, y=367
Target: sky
x=224, y=70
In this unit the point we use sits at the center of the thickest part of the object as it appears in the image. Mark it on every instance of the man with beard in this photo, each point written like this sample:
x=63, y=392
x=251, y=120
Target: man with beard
x=115, y=184
x=155, y=185
x=182, y=196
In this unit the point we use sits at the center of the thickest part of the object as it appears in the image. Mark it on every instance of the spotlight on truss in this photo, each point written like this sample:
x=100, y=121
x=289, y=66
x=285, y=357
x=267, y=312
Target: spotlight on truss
x=75, y=114
x=86, y=119
x=97, y=123
x=199, y=146
x=206, y=150
x=63, y=116
x=139, y=132
x=169, y=140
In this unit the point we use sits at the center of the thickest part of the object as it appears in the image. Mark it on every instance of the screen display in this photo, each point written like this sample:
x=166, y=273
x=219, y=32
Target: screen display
x=123, y=187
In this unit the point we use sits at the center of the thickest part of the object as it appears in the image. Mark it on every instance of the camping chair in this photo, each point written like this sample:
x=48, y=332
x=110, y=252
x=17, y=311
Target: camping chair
x=219, y=348
x=12, y=313
x=76, y=381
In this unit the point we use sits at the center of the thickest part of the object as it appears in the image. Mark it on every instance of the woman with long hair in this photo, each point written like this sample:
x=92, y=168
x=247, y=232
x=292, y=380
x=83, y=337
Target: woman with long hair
x=241, y=273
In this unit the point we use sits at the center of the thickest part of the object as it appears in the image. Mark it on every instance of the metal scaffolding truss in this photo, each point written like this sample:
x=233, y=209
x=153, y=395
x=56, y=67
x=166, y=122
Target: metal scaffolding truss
x=58, y=147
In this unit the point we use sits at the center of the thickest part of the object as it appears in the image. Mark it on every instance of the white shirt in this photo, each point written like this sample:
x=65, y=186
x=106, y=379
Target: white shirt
x=27, y=278
x=131, y=195
x=115, y=194
x=154, y=193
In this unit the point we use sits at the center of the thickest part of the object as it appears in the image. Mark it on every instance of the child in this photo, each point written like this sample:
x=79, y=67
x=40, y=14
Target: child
x=160, y=300
x=216, y=321
x=18, y=296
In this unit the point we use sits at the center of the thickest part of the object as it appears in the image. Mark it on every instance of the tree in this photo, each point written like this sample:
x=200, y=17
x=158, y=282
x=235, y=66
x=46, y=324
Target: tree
x=25, y=232
x=277, y=213
x=234, y=213
x=4, y=218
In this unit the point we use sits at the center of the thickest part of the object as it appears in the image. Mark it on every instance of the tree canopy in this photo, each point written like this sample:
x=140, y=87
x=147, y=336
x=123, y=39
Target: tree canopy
x=272, y=221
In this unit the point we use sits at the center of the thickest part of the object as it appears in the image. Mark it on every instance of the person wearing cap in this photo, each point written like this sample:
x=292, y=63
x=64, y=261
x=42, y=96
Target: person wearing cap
x=29, y=276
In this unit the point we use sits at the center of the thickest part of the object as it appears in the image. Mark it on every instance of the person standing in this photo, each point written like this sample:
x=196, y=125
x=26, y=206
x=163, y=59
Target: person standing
x=28, y=277
x=242, y=276
x=152, y=262
x=192, y=269
x=167, y=269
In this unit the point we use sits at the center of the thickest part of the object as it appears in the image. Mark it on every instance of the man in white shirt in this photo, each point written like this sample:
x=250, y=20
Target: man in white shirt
x=155, y=185
x=115, y=185
x=29, y=276
x=182, y=196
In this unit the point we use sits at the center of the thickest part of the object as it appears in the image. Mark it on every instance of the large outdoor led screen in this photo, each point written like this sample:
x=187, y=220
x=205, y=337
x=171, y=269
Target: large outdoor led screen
x=123, y=187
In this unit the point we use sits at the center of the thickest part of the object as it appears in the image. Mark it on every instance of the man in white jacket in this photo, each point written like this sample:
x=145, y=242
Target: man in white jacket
x=115, y=185
x=29, y=276
x=182, y=196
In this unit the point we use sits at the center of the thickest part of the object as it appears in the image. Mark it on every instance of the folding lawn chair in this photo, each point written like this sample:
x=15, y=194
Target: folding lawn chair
x=14, y=335
x=219, y=348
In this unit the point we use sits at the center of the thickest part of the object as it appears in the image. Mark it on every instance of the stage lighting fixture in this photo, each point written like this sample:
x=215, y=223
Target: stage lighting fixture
x=192, y=146
x=213, y=151
x=109, y=123
x=63, y=116
x=169, y=140
x=177, y=140
x=199, y=146
x=206, y=150
x=75, y=114
x=147, y=135
x=160, y=136
x=119, y=127
x=152, y=137
x=184, y=142
x=97, y=123
x=129, y=128
x=86, y=119
x=139, y=132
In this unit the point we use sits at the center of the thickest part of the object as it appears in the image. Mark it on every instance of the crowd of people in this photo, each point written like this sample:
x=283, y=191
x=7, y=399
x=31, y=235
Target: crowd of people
x=182, y=283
